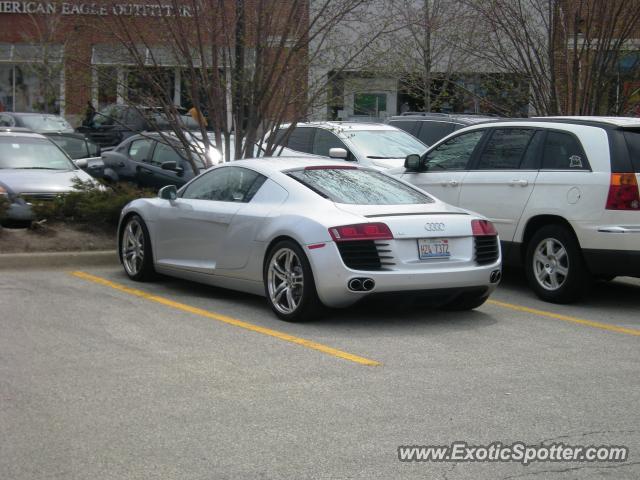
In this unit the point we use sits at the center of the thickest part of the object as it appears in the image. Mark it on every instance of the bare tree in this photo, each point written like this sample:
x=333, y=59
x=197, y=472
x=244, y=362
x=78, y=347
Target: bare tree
x=427, y=46
x=245, y=64
x=568, y=49
x=593, y=37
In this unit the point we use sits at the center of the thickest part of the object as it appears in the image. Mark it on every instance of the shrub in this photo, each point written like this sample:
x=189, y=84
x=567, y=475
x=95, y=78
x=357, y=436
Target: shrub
x=4, y=205
x=92, y=204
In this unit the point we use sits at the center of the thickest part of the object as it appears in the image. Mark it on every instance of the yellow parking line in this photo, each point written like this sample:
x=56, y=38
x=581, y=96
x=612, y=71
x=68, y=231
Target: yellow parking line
x=229, y=320
x=567, y=318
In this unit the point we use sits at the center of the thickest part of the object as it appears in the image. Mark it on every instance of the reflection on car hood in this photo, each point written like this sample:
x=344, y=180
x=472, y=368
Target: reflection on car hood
x=387, y=162
x=41, y=181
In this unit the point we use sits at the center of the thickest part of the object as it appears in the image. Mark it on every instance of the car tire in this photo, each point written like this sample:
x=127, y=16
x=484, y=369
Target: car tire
x=135, y=249
x=465, y=301
x=554, y=266
x=289, y=285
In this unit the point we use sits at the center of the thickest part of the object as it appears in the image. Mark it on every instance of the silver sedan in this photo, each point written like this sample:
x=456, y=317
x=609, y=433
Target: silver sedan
x=309, y=232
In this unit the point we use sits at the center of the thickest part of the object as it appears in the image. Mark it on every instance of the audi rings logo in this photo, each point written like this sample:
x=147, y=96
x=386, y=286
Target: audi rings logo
x=434, y=227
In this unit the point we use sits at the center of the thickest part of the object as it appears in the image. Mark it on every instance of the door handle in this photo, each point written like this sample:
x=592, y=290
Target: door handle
x=146, y=171
x=522, y=183
x=449, y=183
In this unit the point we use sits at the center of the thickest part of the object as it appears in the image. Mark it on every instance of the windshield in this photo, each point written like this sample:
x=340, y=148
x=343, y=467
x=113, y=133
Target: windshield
x=46, y=123
x=385, y=143
x=75, y=147
x=358, y=187
x=32, y=153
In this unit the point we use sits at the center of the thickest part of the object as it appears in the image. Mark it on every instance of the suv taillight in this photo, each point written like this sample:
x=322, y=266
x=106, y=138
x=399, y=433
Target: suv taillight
x=623, y=192
x=361, y=231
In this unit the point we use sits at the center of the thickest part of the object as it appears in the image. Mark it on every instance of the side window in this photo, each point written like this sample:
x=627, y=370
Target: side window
x=139, y=149
x=432, y=132
x=94, y=149
x=505, y=149
x=165, y=153
x=325, y=140
x=300, y=140
x=227, y=184
x=131, y=116
x=455, y=153
x=562, y=151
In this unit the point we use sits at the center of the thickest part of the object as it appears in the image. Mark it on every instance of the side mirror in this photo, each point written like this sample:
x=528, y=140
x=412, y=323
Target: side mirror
x=169, y=192
x=81, y=163
x=412, y=162
x=173, y=166
x=338, y=153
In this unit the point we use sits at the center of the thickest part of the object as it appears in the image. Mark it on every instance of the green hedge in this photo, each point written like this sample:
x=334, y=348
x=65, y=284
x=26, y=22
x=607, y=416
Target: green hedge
x=91, y=203
x=4, y=204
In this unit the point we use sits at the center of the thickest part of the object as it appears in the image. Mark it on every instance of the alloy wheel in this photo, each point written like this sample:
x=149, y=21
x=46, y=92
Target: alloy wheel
x=133, y=247
x=551, y=264
x=285, y=281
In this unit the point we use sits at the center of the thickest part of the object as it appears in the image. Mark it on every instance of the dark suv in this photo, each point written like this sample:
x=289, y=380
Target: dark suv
x=431, y=127
x=116, y=123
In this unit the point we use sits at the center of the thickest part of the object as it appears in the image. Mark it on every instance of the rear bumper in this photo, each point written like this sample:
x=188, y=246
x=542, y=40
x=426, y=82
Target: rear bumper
x=623, y=263
x=621, y=257
x=332, y=276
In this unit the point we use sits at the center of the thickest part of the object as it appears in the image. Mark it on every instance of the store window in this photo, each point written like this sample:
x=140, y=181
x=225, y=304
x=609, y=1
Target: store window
x=30, y=78
x=370, y=104
x=107, y=86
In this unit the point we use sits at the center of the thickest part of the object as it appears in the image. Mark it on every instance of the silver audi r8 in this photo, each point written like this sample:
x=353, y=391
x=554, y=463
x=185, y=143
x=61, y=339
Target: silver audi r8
x=307, y=232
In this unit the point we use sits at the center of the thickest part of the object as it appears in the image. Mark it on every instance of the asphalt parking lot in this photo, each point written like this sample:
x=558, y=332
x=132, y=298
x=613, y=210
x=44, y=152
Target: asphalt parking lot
x=104, y=378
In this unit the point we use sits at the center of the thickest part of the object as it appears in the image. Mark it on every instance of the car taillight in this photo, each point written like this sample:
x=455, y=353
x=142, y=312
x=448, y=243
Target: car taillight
x=483, y=228
x=361, y=231
x=623, y=192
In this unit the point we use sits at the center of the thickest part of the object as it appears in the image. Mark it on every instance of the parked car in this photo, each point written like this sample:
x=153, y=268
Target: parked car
x=306, y=232
x=36, y=122
x=154, y=160
x=84, y=153
x=76, y=145
x=33, y=168
x=116, y=123
x=562, y=192
x=429, y=127
x=368, y=144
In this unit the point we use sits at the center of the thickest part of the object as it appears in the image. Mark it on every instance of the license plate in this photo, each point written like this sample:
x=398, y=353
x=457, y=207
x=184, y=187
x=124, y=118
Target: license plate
x=433, y=248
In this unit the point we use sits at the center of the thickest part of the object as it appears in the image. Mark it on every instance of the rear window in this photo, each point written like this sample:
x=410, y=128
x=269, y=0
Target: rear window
x=633, y=143
x=358, y=187
x=433, y=132
x=407, y=126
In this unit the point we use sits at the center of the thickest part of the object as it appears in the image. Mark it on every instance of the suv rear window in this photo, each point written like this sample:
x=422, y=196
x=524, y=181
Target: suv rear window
x=358, y=187
x=633, y=143
x=562, y=151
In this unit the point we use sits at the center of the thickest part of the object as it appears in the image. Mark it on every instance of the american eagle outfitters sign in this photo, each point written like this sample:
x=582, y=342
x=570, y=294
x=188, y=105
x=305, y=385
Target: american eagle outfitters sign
x=119, y=9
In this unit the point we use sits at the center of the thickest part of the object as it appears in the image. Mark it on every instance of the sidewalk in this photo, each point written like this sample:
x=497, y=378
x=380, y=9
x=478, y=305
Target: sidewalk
x=45, y=260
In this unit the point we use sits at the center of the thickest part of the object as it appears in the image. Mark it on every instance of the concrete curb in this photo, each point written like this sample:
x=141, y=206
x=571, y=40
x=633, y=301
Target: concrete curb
x=44, y=260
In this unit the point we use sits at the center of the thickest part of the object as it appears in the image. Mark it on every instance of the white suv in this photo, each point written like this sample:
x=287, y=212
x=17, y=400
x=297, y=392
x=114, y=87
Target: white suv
x=562, y=192
x=371, y=144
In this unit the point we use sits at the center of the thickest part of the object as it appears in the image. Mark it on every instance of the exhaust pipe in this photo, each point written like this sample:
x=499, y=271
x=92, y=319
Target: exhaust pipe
x=495, y=276
x=361, y=284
